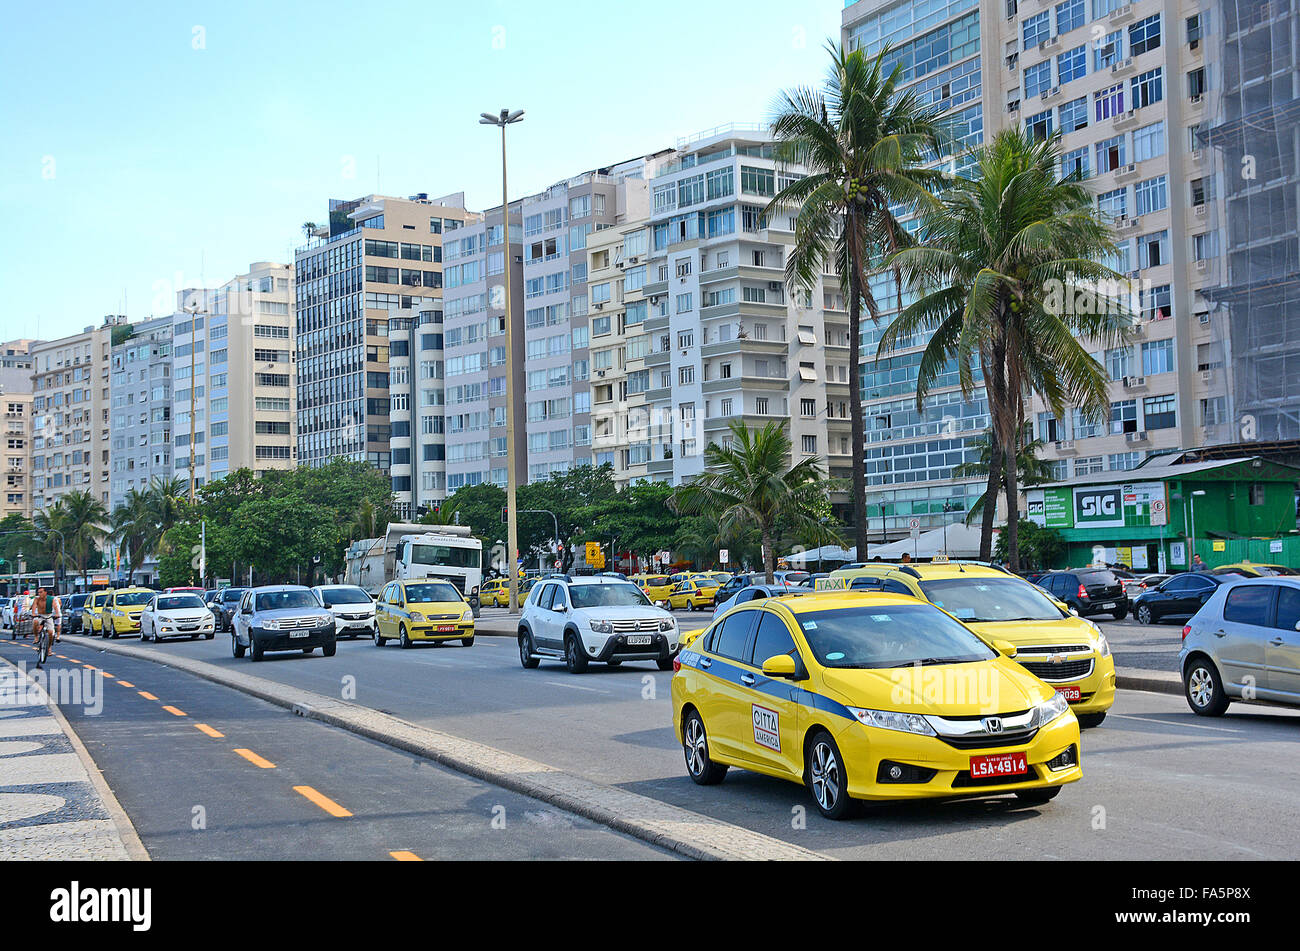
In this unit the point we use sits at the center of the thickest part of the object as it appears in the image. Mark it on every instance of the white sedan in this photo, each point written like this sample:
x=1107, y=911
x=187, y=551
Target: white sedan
x=353, y=609
x=177, y=615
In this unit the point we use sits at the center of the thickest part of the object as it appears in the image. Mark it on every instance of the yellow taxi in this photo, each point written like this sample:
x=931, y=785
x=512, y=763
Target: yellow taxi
x=695, y=593
x=92, y=611
x=868, y=696
x=1253, y=569
x=495, y=593
x=410, y=611
x=655, y=587
x=1066, y=651
x=120, y=615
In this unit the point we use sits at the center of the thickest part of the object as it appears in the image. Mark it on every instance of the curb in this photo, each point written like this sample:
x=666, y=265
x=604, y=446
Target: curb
x=661, y=824
x=1153, y=682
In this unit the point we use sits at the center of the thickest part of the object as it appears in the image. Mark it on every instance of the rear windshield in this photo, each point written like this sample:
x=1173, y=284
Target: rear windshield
x=1098, y=576
x=335, y=596
x=232, y=594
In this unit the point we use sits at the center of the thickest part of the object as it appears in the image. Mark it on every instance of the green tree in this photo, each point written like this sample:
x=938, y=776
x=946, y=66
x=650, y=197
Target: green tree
x=1040, y=547
x=1009, y=285
x=133, y=529
x=1031, y=470
x=82, y=521
x=864, y=145
x=751, y=483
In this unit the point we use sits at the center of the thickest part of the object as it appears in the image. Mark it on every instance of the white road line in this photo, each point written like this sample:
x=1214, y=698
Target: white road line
x=560, y=683
x=1164, y=722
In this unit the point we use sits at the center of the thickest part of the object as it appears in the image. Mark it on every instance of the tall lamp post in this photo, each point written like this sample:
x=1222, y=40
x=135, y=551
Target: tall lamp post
x=504, y=118
x=194, y=310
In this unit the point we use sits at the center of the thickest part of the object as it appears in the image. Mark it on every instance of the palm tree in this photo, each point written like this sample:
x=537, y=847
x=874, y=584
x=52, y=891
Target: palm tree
x=864, y=145
x=1030, y=469
x=133, y=529
x=1003, y=261
x=81, y=519
x=751, y=484
x=366, y=522
x=167, y=501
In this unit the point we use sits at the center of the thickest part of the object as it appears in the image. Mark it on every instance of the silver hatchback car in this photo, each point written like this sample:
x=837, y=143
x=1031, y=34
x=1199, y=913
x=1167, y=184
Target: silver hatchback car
x=1244, y=644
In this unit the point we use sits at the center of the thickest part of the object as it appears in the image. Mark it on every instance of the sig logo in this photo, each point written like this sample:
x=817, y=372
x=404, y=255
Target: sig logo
x=1099, y=506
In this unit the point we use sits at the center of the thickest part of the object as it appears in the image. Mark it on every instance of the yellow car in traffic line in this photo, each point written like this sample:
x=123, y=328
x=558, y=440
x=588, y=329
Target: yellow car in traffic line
x=410, y=611
x=1068, y=652
x=92, y=612
x=495, y=593
x=655, y=587
x=120, y=616
x=868, y=696
x=695, y=593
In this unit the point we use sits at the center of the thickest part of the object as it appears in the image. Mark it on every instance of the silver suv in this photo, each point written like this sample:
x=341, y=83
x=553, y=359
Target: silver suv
x=1244, y=644
x=595, y=618
x=281, y=618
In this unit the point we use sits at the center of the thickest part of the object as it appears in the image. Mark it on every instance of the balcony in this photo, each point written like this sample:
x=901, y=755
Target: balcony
x=739, y=345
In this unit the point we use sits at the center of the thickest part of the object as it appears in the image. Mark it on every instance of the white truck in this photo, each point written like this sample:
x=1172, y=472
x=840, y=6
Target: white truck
x=411, y=551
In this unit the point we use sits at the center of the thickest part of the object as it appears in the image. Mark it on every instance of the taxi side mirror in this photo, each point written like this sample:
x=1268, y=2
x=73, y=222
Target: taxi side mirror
x=1005, y=648
x=780, y=665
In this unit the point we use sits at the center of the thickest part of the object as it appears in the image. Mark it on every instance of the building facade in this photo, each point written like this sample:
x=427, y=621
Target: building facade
x=16, y=397
x=140, y=393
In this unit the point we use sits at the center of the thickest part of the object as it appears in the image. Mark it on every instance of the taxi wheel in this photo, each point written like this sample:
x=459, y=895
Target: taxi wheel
x=236, y=648
x=1203, y=688
x=404, y=639
x=695, y=747
x=1037, y=797
x=826, y=778
x=574, y=658
x=467, y=642
x=380, y=640
x=526, y=651
x=1087, y=720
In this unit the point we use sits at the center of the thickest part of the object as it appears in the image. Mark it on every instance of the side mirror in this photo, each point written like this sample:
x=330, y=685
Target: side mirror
x=780, y=665
x=1005, y=648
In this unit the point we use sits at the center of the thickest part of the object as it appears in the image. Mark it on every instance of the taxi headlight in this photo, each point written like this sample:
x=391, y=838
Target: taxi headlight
x=417, y=616
x=1103, y=645
x=467, y=614
x=1049, y=710
x=890, y=720
x=602, y=627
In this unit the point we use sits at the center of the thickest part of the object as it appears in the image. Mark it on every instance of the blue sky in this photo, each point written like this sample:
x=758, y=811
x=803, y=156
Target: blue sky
x=155, y=145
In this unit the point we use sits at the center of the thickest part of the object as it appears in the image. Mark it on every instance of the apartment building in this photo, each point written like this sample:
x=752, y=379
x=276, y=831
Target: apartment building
x=727, y=341
x=375, y=254
x=70, y=414
x=1126, y=86
x=140, y=392
x=16, y=397
x=474, y=338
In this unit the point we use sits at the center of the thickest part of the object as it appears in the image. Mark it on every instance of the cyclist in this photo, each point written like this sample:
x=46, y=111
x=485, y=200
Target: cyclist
x=46, y=615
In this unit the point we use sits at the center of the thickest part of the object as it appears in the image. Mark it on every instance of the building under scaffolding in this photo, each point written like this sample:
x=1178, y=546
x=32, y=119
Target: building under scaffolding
x=1257, y=133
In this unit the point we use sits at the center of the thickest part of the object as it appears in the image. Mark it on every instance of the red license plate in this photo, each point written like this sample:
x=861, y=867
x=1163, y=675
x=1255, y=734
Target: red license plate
x=1071, y=694
x=446, y=628
x=1000, y=764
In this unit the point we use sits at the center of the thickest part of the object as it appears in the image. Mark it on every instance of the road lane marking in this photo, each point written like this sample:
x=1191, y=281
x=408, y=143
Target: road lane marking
x=558, y=683
x=204, y=728
x=146, y=694
x=107, y=674
x=174, y=712
x=1166, y=722
x=325, y=802
x=125, y=683
x=403, y=856
x=255, y=759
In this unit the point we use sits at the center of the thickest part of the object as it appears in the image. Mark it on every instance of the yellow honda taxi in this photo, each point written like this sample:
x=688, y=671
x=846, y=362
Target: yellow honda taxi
x=655, y=587
x=868, y=696
x=695, y=593
x=92, y=612
x=120, y=615
x=410, y=611
x=1068, y=652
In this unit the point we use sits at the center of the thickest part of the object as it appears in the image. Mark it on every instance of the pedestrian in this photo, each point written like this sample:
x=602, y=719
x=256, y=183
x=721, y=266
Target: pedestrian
x=1197, y=564
x=906, y=558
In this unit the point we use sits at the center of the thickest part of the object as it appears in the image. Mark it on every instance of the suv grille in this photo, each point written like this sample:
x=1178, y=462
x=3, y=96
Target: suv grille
x=636, y=626
x=294, y=623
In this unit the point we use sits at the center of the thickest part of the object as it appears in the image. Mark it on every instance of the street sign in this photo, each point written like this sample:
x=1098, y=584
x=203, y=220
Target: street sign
x=914, y=526
x=724, y=556
x=1159, y=514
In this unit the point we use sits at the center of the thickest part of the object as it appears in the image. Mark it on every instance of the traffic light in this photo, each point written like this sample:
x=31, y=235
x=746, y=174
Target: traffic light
x=505, y=514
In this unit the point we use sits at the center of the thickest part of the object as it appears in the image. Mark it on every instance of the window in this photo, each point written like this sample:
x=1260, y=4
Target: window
x=686, y=375
x=1039, y=126
x=1109, y=102
x=1113, y=204
x=1159, y=412
x=1157, y=357
x=1196, y=83
x=807, y=408
x=1074, y=114
x=1151, y=195
x=1122, y=461
x=1075, y=163
x=1036, y=29
x=757, y=181
x=720, y=183
x=1149, y=142
x=809, y=444
x=1205, y=246
x=773, y=638
x=1108, y=51
x=1038, y=78
x=731, y=637
x=1214, y=411
x=1071, y=64
x=1202, y=190
x=1123, y=417
x=1069, y=15
x=1148, y=88
x=1152, y=249
x=1195, y=26
x=1144, y=35
x=1248, y=604
x=1156, y=302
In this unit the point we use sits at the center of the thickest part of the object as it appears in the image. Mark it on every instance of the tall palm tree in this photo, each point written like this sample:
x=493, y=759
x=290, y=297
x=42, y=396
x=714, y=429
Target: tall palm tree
x=166, y=501
x=1030, y=469
x=1004, y=262
x=750, y=483
x=864, y=146
x=81, y=519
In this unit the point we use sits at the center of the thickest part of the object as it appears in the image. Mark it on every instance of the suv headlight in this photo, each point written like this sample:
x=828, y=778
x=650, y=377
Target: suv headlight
x=602, y=627
x=668, y=624
x=889, y=720
x=1048, y=710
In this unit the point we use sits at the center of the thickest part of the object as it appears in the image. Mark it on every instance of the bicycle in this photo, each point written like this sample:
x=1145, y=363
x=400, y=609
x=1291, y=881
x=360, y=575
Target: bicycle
x=43, y=631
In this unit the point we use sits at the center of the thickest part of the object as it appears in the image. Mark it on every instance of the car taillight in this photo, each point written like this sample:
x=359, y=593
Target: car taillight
x=1187, y=629
x=1083, y=592
x=677, y=665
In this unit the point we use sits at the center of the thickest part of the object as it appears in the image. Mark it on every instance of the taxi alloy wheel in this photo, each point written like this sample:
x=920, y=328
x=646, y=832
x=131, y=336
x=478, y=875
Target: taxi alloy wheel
x=826, y=778
x=405, y=639
x=1204, y=689
x=380, y=640
x=526, y=657
x=695, y=747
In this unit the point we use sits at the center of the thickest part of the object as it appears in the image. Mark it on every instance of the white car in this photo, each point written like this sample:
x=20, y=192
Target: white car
x=182, y=614
x=352, y=607
x=594, y=618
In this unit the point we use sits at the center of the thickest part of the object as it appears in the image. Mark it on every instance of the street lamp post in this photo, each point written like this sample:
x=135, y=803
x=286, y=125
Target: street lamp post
x=504, y=118
x=193, y=310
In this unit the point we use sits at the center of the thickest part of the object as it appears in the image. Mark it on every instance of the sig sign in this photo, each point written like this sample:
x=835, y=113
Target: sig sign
x=1099, y=507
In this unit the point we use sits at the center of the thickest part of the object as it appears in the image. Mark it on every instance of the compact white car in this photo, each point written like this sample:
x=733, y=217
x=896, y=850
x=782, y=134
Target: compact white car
x=594, y=618
x=177, y=615
x=353, y=609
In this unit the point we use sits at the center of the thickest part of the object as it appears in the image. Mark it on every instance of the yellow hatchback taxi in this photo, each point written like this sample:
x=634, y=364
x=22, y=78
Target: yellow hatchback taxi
x=495, y=593
x=92, y=611
x=1068, y=652
x=121, y=614
x=695, y=593
x=655, y=587
x=410, y=611
x=868, y=696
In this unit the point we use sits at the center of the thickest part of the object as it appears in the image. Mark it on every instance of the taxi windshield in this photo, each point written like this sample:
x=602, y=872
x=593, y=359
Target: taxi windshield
x=889, y=635
x=607, y=595
x=430, y=591
x=133, y=598
x=991, y=599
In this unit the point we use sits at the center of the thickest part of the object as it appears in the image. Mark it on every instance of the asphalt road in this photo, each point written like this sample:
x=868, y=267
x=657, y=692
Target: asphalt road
x=193, y=795
x=1158, y=781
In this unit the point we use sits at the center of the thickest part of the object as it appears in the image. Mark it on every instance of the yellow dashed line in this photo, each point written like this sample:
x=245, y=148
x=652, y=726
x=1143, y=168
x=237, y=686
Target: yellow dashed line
x=204, y=728
x=406, y=856
x=146, y=694
x=174, y=712
x=325, y=802
x=107, y=674
x=255, y=759
x=125, y=683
